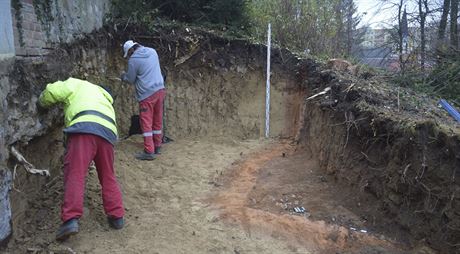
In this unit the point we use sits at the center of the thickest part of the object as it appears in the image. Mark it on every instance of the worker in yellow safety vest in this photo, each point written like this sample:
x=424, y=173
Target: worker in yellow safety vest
x=91, y=132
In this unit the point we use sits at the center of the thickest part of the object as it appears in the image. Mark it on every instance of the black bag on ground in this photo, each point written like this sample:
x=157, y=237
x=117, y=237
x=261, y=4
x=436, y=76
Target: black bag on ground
x=135, y=128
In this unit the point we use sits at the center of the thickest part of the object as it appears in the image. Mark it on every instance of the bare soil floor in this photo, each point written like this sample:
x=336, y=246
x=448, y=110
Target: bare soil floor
x=212, y=195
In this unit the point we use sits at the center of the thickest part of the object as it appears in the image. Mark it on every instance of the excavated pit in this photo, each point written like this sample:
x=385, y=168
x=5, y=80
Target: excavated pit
x=350, y=166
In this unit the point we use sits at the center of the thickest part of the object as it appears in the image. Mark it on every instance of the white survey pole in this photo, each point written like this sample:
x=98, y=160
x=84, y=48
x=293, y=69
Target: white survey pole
x=267, y=95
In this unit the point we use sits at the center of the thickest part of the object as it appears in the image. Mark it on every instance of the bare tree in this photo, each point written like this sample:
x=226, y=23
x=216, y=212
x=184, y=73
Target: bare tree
x=453, y=23
x=443, y=21
x=351, y=20
x=347, y=26
x=423, y=11
x=400, y=35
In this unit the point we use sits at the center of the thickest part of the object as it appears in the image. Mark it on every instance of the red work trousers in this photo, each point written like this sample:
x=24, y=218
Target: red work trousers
x=81, y=150
x=151, y=120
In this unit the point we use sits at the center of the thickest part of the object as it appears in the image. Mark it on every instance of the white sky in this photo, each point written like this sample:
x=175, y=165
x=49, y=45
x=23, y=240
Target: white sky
x=379, y=13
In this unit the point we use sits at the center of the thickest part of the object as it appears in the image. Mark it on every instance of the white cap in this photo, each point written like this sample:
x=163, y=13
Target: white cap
x=128, y=44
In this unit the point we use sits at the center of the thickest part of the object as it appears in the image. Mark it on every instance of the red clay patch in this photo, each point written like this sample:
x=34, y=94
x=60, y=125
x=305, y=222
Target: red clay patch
x=251, y=195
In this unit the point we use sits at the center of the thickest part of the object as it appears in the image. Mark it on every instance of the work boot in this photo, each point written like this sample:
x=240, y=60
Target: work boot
x=116, y=223
x=145, y=156
x=157, y=150
x=67, y=229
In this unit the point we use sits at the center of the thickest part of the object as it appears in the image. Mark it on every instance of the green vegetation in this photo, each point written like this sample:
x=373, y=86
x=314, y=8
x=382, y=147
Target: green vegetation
x=320, y=28
x=444, y=80
x=230, y=13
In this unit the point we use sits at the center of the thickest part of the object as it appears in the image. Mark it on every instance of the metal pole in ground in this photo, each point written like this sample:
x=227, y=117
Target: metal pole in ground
x=267, y=95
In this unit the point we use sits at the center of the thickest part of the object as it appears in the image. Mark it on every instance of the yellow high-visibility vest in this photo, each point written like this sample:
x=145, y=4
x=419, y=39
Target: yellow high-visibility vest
x=83, y=102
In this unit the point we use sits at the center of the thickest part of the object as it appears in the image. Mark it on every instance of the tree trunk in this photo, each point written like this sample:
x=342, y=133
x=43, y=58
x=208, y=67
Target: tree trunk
x=400, y=35
x=350, y=26
x=443, y=22
x=422, y=4
x=453, y=23
x=341, y=32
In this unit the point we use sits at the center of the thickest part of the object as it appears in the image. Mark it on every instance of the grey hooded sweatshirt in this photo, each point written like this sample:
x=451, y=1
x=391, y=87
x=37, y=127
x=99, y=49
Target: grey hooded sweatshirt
x=144, y=71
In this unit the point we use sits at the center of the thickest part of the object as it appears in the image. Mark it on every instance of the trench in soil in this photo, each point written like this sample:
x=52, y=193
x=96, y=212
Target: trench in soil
x=219, y=187
x=212, y=195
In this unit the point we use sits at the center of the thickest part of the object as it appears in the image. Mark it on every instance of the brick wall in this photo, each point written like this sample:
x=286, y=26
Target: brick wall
x=29, y=37
x=64, y=21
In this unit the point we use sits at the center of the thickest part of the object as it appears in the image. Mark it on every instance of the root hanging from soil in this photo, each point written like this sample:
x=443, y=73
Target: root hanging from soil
x=29, y=167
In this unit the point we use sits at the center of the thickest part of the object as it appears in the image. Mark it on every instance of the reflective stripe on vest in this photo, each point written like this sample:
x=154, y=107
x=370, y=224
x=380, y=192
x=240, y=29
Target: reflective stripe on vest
x=96, y=113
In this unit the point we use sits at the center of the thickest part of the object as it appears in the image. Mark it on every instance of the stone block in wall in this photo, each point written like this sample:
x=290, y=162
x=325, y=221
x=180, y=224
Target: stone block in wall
x=5, y=208
x=27, y=25
x=20, y=51
x=16, y=42
x=38, y=44
x=38, y=28
x=27, y=10
x=36, y=35
x=34, y=52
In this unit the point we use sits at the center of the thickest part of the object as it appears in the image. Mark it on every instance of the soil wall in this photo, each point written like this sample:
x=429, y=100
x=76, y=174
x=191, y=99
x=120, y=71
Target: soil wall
x=215, y=86
x=410, y=165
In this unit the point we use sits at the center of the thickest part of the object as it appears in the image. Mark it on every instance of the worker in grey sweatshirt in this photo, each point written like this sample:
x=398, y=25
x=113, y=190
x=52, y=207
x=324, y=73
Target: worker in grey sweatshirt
x=145, y=73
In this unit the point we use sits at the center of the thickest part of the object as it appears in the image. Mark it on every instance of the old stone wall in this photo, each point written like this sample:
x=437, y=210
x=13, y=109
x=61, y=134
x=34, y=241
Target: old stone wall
x=29, y=38
x=40, y=25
